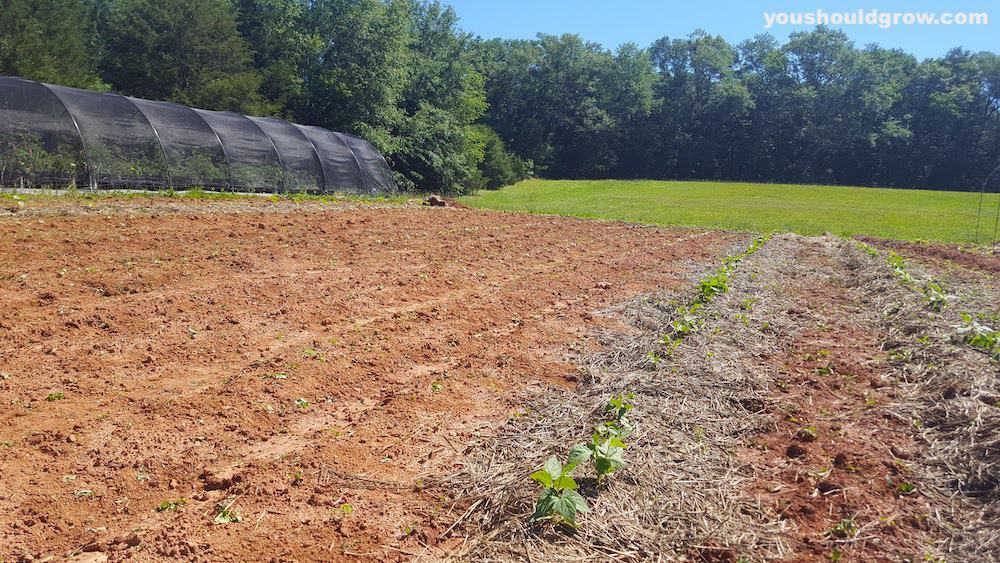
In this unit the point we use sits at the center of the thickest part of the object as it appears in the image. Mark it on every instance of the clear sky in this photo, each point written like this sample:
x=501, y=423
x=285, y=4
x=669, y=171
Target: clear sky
x=612, y=23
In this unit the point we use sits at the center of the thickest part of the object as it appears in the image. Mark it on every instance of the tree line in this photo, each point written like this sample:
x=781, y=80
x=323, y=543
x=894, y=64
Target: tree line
x=454, y=113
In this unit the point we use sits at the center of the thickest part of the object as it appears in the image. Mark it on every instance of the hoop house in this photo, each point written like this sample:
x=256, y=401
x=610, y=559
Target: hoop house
x=39, y=140
x=55, y=135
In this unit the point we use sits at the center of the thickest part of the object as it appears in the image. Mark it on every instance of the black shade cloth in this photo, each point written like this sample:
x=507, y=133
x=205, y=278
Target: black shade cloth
x=58, y=136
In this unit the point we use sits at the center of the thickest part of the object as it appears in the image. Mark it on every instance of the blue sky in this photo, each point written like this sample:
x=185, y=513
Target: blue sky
x=642, y=21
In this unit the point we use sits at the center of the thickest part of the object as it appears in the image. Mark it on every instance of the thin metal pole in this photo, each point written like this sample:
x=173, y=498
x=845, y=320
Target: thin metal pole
x=996, y=222
x=979, y=214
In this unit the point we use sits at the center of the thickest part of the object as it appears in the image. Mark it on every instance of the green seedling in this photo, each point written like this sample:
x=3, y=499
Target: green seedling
x=612, y=429
x=55, y=396
x=168, y=505
x=687, y=321
x=558, y=500
x=845, y=529
x=905, y=489
x=227, y=515
x=619, y=406
x=302, y=403
x=670, y=344
x=713, y=285
x=898, y=265
x=935, y=297
x=607, y=452
x=979, y=335
x=900, y=354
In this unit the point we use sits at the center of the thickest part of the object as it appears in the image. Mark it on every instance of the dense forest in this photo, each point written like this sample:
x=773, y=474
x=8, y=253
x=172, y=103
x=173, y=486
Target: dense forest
x=454, y=113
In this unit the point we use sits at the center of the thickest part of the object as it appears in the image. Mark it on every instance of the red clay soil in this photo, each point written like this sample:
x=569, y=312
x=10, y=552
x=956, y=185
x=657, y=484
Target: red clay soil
x=310, y=371
x=836, y=468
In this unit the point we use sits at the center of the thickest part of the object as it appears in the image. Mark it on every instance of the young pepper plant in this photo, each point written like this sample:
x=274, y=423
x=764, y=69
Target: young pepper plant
x=558, y=499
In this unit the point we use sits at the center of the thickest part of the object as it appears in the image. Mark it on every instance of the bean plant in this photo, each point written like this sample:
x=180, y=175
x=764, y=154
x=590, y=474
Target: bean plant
x=619, y=406
x=607, y=451
x=558, y=500
x=981, y=336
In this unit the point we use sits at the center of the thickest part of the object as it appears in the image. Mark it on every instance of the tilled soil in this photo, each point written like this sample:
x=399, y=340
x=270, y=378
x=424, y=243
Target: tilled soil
x=261, y=379
x=838, y=466
x=819, y=411
x=314, y=372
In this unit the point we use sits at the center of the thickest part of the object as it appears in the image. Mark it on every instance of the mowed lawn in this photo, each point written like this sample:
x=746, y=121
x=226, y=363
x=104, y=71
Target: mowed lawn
x=891, y=213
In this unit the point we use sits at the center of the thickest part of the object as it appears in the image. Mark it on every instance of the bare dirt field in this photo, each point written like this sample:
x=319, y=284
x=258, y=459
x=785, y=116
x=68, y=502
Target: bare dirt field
x=313, y=369
x=274, y=380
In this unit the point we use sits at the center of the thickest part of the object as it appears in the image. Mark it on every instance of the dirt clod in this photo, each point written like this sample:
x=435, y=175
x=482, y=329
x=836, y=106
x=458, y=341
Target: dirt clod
x=796, y=451
x=436, y=201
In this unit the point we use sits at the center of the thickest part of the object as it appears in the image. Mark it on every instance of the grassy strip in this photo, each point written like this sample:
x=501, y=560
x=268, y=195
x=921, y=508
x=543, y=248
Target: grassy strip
x=809, y=210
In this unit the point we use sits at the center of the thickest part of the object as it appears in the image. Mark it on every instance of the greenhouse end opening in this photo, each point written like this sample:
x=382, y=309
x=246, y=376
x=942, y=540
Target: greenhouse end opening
x=59, y=136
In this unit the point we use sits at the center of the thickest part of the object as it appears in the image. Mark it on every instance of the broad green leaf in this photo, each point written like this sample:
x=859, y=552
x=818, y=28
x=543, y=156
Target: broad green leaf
x=609, y=459
x=566, y=508
x=580, y=453
x=616, y=457
x=553, y=467
x=543, y=507
x=564, y=482
x=617, y=443
x=543, y=478
x=603, y=466
x=577, y=500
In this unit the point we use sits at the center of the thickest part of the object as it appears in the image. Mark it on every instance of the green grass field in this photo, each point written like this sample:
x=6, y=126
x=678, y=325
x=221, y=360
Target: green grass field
x=891, y=213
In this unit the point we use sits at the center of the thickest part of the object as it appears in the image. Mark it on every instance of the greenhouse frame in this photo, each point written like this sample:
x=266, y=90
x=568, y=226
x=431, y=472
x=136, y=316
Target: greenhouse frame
x=58, y=136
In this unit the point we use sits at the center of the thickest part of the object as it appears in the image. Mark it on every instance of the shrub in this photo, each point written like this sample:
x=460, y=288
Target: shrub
x=499, y=166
